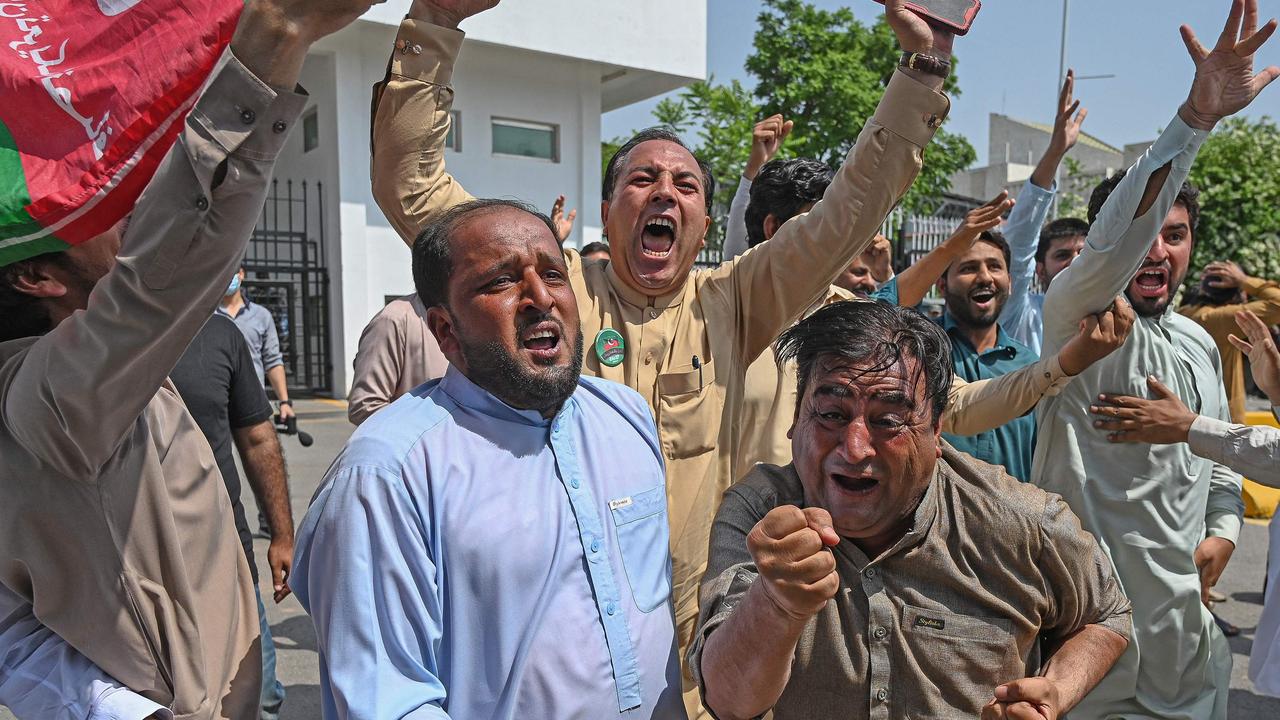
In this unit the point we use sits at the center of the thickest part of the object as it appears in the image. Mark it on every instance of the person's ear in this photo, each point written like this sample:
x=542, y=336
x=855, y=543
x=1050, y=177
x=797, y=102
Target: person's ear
x=1044, y=282
x=604, y=214
x=35, y=279
x=771, y=225
x=440, y=323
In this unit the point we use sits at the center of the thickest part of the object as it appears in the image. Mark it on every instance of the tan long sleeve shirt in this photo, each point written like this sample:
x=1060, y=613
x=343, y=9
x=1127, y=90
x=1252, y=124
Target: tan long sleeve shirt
x=725, y=316
x=397, y=353
x=114, y=522
x=1220, y=322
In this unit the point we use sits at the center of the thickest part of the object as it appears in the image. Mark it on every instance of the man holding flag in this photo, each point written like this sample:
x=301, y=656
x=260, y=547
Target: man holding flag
x=121, y=566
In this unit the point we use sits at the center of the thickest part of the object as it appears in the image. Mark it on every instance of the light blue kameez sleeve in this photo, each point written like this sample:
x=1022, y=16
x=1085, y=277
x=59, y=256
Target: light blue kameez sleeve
x=363, y=570
x=1020, y=317
x=43, y=677
x=735, y=229
x=1224, y=512
x=1118, y=241
x=1252, y=450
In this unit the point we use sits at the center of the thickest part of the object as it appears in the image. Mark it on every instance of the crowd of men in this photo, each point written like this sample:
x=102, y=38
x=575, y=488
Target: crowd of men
x=608, y=483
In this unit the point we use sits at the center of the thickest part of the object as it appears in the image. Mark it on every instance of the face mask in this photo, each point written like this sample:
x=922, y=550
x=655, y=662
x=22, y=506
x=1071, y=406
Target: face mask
x=234, y=286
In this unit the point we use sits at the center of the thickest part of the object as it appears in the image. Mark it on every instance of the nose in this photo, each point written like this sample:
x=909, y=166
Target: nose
x=1159, y=251
x=984, y=276
x=663, y=189
x=537, y=296
x=857, y=446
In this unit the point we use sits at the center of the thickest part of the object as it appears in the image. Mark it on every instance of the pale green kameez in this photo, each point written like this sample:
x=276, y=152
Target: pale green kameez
x=1149, y=506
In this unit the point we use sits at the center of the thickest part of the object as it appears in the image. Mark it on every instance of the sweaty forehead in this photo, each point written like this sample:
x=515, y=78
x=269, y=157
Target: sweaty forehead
x=662, y=155
x=864, y=377
x=488, y=235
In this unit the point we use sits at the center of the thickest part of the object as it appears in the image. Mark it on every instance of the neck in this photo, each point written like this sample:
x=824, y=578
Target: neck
x=233, y=300
x=982, y=338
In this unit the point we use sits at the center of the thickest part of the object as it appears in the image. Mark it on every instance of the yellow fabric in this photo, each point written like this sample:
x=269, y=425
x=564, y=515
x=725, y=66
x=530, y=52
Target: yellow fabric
x=1260, y=501
x=726, y=316
x=1220, y=321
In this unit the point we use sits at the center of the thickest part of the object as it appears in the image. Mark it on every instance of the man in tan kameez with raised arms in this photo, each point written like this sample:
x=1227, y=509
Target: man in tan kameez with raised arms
x=683, y=338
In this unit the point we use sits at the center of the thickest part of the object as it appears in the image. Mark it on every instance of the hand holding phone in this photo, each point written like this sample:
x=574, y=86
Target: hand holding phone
x=956, y=16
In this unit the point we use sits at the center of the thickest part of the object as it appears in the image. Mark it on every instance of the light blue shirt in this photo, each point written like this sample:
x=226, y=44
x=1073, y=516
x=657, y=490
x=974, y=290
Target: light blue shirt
x=41, y=676
x=466, y=559
x=1023, y=314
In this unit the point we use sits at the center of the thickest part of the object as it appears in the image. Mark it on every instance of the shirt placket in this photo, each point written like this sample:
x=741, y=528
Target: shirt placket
x=879, y=628
x=592, y=535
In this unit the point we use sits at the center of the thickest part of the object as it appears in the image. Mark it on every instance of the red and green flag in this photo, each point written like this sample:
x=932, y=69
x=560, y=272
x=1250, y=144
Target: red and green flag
x=93, y=94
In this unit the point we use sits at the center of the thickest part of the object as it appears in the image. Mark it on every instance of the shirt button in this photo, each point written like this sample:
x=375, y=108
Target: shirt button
x=574, y=483
x=595, y=546
x=648, y=359
x=248, y=117
x=882, y=694
x=611, y=608
x=880, y=633
x=279, y=126
x=653, y=314
x=202, y=203
x=869, y=573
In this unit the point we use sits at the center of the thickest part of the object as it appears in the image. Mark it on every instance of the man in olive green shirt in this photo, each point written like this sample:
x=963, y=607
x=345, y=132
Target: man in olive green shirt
x=682, y=338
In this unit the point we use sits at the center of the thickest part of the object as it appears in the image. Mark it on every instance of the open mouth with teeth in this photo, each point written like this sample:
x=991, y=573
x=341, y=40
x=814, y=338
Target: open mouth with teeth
x=542, y=341
x=857, y=486
x=658, y=238
x=1152, y=282
x=983, y=298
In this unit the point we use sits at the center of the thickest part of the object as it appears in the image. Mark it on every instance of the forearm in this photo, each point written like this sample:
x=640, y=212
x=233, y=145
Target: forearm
x=984, y=405
x=1023, y=235
x=270, y=45
x=915, y=282
x=411, y=118
x=264, y=467
x=735, y=230
x=1082, y=661
x=1252, y=450
x=1046, y=173
x=279, y=384
x=746, y=662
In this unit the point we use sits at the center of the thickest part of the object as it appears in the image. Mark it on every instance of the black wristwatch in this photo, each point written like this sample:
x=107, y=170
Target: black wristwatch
x=926, y=64
x=287, y=402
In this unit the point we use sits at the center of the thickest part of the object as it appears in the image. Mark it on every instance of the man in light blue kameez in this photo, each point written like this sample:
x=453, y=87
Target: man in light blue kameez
x=1167, y=519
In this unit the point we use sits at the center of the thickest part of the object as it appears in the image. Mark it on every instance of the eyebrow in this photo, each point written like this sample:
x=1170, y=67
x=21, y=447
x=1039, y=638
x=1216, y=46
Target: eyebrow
x=838, y=391
x=651, y=170
x=1183, y=227
x=895, y=397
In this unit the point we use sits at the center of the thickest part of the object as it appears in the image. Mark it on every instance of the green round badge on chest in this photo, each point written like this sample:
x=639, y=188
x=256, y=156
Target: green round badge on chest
x=610, y=347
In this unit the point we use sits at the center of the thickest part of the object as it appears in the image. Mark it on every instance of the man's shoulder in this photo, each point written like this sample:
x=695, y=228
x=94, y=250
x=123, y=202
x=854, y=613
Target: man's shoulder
x=390, y=434
x=990, y=493
x=616, y=397
x=221, y=330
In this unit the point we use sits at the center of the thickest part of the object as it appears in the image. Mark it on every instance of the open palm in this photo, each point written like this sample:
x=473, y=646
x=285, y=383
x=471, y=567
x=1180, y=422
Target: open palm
x=1225, y=82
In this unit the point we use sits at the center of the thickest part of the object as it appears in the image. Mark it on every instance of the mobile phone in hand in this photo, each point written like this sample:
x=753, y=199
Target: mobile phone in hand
x=954, y=15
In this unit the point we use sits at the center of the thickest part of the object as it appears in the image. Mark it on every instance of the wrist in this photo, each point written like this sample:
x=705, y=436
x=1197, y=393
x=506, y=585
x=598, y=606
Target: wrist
x=751, y=170
x=270, y=45
x=286, y=401
x=435, y=16
x=770, y=606
x=1196, y=119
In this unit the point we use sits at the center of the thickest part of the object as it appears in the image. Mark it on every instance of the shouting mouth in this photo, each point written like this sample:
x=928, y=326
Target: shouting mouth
x=542, y=341
x=855, y=486
x=1152, y=282
x=983, y=298
x=658, y=238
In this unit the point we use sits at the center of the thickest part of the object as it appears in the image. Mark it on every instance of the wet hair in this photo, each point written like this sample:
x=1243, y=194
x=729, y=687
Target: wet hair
x=873, y=333
x=619, y=159
x=1058, y=230
x=594, y=247
x=432, y=256
x=781, y=189
x=23, y=315
x=1188, y=197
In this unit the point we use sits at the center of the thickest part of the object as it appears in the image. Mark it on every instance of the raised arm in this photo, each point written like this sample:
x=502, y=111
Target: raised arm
x=411, y=116
x=91, y=376
x=1130, y=220
x=41, y=676
x=915, y=281
x=766, y=139
x=774, y=283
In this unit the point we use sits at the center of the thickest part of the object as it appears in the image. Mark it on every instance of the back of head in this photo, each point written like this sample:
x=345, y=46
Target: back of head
x=432, y=256
x=877, y=334
x=782, y=189
x=593, y=248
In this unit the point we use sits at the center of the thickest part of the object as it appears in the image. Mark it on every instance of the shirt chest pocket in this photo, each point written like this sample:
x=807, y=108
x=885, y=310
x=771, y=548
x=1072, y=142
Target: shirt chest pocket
x=975, y=653
x=641, y=524
x=689, y=409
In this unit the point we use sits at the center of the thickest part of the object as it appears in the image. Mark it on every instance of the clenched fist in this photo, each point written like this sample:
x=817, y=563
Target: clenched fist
x=797, y=571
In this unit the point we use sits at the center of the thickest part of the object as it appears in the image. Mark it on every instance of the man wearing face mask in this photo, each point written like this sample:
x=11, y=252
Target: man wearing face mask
x=494, y=543
x=259, y=330
x=682, y=338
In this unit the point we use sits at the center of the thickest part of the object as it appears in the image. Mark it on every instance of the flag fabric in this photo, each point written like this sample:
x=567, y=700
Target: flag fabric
x=93, y=94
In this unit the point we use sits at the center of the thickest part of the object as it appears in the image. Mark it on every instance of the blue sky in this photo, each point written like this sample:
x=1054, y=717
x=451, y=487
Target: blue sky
x=1009, y=62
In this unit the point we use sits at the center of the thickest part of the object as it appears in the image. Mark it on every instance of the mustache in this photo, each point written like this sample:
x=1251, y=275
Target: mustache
x=524, y=323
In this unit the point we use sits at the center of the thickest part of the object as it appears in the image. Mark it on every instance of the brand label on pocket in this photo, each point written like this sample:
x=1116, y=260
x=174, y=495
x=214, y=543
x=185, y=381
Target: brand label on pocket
x=620, y=503
x=930, y=623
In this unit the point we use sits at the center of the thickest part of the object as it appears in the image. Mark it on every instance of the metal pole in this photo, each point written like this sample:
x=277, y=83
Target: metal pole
x=1062, y=76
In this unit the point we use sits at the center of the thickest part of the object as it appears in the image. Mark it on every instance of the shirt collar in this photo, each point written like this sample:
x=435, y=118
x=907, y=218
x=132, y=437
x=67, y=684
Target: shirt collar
x=1003, y=341
x=244, y=308
x=473, y=397
x=633, y=297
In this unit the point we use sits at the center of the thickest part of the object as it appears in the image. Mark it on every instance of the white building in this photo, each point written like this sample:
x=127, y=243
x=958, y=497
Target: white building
x=532, y=79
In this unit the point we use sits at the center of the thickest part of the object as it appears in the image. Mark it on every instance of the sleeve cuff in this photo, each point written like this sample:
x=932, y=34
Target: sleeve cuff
x=1253, y=285
x=911, y=109
x=1206, y=436
x=123, y=704
x=244, y=115
x=744, y=186
x=426, y=51
x=1176, y=139
x=1033, y=193
x=1053, y=375
x=1225, y=525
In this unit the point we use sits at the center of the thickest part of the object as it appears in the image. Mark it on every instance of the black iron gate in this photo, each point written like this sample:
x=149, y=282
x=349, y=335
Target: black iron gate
x=286, y=272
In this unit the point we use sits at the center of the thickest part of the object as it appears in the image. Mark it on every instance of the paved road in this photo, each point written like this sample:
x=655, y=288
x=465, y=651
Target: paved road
x=296, y=644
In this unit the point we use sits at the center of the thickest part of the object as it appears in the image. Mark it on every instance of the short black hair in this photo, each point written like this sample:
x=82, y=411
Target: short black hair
x=594, y=247
x=874, y=332
x=780, y=189
x=23, y=315
x=654, y=133
x=1059, y=229
x=1188, y=197
x=432, y=257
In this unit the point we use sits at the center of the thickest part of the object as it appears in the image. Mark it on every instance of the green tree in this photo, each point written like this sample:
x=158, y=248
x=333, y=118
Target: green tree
x=1238, y=174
